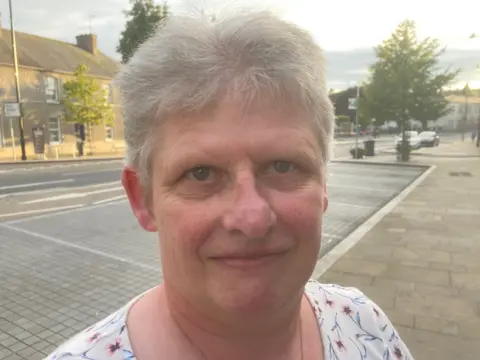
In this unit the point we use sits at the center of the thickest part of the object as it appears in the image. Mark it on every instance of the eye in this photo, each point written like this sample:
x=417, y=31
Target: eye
x=283, y=167
x=200, y=173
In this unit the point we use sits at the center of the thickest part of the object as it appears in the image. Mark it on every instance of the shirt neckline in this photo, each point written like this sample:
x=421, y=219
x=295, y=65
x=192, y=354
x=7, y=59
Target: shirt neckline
x=315, y=306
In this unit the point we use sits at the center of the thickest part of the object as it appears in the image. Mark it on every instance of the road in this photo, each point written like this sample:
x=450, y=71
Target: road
x=28, y=191
x=71, y=251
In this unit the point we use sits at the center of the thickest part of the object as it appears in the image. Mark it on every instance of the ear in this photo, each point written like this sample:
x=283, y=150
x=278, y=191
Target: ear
x=325, y=197
x=136, y=197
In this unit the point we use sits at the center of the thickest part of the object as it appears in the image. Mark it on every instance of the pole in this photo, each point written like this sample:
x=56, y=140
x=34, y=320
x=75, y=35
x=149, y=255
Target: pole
x=465, y=116
x=356, y=122
x=17, y=82
x=14, y=153
x=2, y=130
x=478, y=131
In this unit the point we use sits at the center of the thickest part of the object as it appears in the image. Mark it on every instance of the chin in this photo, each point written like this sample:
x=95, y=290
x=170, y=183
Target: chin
x=254, y=295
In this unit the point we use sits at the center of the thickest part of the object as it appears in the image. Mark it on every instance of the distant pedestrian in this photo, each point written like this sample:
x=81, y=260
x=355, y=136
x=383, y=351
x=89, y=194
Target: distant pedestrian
x=474, y=135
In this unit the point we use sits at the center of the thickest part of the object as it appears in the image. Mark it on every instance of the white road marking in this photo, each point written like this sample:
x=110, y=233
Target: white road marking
x=35, y=184
x=46, y=191
x=79, y=247
x=350, y=204
x=121, y=197
x=332, y=236
x=350, y=187
x=72, y=195
x=28, y=212
x=90, y=172
x=64, y=165
x=83, y=208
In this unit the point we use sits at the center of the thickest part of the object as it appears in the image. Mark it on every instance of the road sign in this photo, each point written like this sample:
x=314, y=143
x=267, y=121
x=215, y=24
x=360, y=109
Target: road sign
x=12, y=109
x=352, y=104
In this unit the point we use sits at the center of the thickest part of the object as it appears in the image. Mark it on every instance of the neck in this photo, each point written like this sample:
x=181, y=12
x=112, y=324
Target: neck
x=218, y=335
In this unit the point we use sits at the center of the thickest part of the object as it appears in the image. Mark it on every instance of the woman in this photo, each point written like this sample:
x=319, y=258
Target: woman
x=228, y=126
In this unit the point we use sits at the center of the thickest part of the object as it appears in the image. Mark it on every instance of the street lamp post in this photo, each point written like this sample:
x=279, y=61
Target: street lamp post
x=17, y=83
x=356, y=122
x=475, y=36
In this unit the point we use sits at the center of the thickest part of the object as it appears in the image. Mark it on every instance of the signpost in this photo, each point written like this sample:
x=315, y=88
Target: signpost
x=352, y=105
x=12, y=109
x=12, y=136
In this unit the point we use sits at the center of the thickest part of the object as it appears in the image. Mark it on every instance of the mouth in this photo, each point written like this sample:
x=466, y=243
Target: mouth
x=247, y=261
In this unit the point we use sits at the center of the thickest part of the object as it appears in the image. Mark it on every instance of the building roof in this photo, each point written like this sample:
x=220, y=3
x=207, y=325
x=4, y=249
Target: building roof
x=53, y=56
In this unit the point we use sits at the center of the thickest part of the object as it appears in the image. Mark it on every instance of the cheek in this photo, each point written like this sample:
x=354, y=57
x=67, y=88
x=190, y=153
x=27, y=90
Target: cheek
x=301, y=211
x=185, y=226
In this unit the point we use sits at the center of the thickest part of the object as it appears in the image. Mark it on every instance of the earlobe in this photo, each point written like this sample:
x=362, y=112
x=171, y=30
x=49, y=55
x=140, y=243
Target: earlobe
x=135, y=193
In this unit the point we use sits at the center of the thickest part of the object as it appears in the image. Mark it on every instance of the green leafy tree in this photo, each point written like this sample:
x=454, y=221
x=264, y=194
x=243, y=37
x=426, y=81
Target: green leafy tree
x=142, y=20
x=86, y=102
x=406, y=81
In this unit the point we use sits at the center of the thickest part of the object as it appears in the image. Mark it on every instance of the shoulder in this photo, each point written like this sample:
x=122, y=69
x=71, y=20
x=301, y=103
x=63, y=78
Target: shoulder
x=335, y=299
x=331, y=294
x=350, y=321
x=106, y=339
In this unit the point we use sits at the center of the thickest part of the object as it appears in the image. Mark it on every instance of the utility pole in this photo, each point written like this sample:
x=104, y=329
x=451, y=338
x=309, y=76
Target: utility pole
x=465, y=114
x=478, y=131
x=356, y=121
x=17, y=83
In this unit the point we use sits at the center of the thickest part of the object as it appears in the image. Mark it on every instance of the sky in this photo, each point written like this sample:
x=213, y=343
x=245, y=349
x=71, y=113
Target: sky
x=338, y=26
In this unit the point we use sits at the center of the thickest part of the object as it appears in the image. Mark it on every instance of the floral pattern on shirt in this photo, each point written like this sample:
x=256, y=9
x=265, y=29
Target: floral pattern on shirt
x=353, y=327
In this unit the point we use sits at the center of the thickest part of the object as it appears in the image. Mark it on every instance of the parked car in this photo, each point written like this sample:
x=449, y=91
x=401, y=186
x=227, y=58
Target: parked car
x=429, y=139
x=412, y=138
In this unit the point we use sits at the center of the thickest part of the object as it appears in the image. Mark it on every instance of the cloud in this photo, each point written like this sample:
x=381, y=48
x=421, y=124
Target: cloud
x=64, y=19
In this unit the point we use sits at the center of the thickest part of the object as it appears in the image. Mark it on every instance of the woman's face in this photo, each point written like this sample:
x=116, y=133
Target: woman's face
x=237, y=200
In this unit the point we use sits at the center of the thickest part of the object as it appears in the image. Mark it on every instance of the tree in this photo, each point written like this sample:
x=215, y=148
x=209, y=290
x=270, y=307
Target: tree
x=142, y=20
x=406, y=81
x=86, y=102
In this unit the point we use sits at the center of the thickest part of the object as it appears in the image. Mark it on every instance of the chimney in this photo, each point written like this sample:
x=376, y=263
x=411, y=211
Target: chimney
x=87, y=42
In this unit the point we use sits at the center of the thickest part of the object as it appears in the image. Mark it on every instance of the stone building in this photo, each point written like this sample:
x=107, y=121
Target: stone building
x=464, y=115
x=44, y=66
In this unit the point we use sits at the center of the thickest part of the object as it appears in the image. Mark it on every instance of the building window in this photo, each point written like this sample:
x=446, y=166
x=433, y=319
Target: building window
x=51, y=89
x=54, y=130
x=109, y=132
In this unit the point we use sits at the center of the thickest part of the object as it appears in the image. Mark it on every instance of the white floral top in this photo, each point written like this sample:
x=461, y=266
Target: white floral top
x=352, y=328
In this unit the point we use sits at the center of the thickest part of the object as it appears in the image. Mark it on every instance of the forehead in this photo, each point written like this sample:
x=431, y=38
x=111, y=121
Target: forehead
x=228, y=127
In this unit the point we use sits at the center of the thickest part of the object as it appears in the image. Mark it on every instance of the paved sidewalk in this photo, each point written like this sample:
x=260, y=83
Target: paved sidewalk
x=421, y=262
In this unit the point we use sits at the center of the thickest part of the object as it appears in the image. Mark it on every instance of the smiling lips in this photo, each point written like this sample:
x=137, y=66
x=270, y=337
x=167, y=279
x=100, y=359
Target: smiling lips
x=250, y=260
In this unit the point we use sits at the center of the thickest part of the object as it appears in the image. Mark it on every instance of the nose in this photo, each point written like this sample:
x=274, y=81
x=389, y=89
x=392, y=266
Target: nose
x=250, y=213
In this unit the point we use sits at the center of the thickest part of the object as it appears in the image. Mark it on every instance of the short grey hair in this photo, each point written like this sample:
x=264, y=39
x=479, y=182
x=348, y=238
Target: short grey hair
x=192, y=61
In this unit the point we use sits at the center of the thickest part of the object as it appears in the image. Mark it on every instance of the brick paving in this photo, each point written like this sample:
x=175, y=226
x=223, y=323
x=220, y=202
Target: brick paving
x=51, y=290
x=421, y=263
